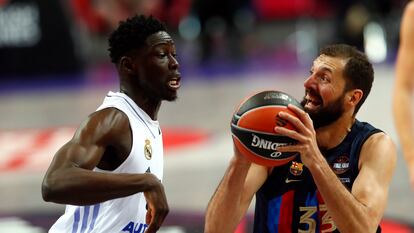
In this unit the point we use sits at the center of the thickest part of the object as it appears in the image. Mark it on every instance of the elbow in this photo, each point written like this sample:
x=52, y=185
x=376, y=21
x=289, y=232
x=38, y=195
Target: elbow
x=373, y=221
x=370, y=224
x=48, y=190
x=359, y=228
x=210, y=229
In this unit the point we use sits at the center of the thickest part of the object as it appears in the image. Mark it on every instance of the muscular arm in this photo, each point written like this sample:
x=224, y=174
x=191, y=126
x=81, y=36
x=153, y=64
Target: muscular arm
x=70, y=179
x=233, y=195
x=404, y=87
x=361, y=209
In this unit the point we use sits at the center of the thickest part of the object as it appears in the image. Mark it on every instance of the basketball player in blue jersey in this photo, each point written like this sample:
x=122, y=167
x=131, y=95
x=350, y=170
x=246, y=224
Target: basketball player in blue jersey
x=340, y=181
x=109, y=174
x=404, y=88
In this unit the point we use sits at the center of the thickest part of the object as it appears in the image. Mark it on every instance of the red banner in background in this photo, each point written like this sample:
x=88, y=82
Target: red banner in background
x=32, y=150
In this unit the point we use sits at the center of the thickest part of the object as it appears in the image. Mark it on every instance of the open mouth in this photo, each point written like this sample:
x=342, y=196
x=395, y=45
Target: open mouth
x=312, y=102
x=174, y=84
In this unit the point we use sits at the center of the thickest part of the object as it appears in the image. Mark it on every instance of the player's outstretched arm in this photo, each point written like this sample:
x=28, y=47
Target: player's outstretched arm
x=404, y=88
x=233, y=195
x=70, y=179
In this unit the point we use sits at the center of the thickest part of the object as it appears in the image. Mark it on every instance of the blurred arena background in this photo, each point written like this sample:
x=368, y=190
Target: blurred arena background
x=54, y=71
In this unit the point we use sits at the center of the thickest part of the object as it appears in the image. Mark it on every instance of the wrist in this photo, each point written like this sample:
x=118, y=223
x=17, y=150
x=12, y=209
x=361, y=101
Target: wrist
x=240, y=161
x=317, y=164
x=151, y=181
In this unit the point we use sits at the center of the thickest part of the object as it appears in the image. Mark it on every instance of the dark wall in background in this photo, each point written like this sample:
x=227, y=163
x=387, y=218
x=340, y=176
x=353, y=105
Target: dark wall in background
x=35, y=40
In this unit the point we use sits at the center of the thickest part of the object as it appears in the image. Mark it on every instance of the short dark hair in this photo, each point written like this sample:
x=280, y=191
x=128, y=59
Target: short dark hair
x=131, y=34
x=358, y=71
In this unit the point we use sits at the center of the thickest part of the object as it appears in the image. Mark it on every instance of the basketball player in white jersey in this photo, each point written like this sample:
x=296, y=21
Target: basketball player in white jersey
x=109, y=174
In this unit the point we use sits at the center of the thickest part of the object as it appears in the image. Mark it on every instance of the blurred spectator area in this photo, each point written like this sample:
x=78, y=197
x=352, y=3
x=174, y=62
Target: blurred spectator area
x=35, y=40
x=239, y=31
x=101, y=16
x=40, y=39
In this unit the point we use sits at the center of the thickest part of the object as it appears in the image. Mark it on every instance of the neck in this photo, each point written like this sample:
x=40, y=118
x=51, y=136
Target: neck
x=150, y=106
x=332, y=135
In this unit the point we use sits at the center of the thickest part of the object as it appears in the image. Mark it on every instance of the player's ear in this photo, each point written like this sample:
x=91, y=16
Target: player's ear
x=355, y=96
x=127, y=65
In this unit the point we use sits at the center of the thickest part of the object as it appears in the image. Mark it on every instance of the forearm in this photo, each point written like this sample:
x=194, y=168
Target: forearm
x=226, y=209
x=79, y=186
x=404, y=85
x=403, y=116
x=348, y=214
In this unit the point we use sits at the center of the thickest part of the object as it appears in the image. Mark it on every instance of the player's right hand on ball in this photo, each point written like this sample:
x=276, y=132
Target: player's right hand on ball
x=157, y=206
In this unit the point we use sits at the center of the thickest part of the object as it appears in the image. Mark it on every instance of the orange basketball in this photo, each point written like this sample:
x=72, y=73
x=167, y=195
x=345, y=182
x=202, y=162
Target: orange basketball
x=253, y=124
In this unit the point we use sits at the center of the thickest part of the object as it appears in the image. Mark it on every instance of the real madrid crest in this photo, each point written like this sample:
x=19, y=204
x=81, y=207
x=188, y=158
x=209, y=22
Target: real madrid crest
x=296, y=168
x=148, y=149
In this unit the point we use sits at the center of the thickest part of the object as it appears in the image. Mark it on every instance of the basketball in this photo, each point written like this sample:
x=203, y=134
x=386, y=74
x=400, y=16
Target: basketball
x=253, y=123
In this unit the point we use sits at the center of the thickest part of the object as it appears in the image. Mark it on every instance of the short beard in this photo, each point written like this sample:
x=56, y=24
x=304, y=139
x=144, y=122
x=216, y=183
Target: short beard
x=154, y=94
x=171, y=98
x=328, y=114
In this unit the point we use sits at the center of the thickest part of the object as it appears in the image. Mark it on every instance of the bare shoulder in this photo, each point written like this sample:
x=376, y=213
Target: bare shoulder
x=103, y=125
x=380, y=143
x=113, y=119
x=409, y=9
x=407, y=23
x=379, y=148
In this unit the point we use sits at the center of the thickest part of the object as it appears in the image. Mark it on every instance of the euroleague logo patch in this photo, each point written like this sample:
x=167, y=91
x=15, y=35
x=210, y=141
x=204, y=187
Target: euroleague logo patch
x=341, y=164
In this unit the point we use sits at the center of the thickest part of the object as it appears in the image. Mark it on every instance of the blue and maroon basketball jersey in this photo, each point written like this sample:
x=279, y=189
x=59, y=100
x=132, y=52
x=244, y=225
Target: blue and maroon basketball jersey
x=289, y=202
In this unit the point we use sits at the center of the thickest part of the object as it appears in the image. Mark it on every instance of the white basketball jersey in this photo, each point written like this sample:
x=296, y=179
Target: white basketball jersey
x=125, y=214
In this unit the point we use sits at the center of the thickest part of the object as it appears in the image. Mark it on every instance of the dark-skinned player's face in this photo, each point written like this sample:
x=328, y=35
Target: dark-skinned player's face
x=158, y=73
